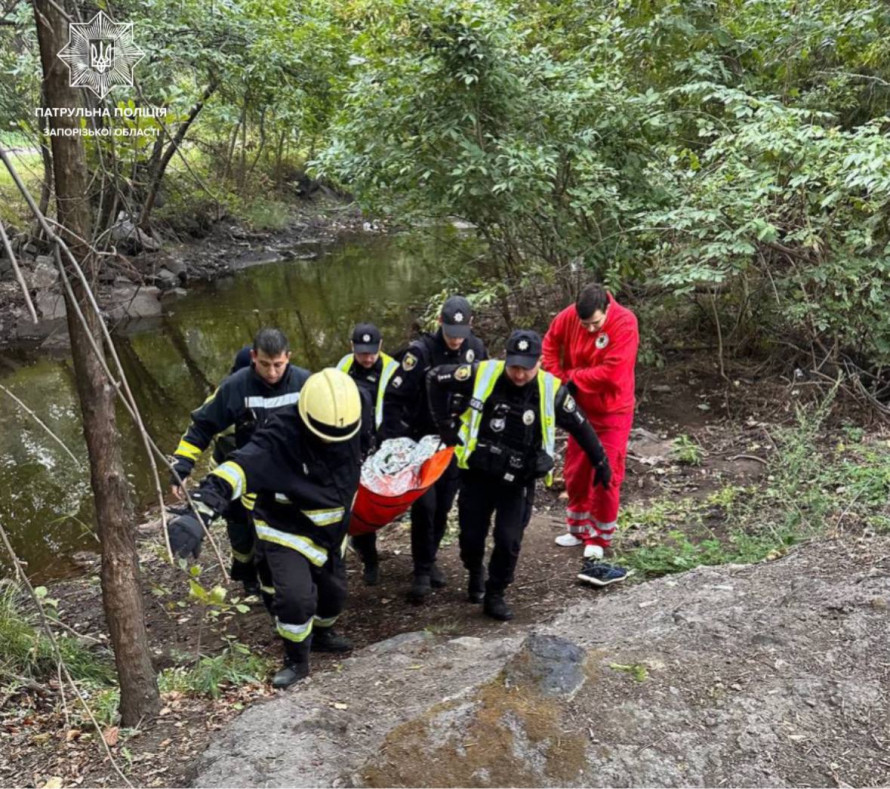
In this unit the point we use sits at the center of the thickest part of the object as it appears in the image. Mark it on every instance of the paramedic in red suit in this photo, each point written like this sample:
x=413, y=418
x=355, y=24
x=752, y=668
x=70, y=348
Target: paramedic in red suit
x=592, y=347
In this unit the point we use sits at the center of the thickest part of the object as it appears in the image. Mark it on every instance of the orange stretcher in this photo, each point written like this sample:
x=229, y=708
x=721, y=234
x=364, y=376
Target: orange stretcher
x=372, y=511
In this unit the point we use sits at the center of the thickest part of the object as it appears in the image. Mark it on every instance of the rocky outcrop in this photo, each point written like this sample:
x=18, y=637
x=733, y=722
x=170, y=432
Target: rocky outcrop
x=766, y=675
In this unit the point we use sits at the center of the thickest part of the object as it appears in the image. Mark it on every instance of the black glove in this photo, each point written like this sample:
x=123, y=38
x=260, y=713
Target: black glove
x=602, y=474
x=208, y=503
x=183, y=468
x=186, y=535
x=572, y=388
x=449, y=432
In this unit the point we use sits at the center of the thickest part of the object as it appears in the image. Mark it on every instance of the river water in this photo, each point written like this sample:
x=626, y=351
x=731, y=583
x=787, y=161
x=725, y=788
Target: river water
x=174, y=362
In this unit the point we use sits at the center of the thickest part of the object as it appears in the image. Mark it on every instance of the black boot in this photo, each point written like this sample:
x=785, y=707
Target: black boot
x=252, y=589
x=326, y=639
x=496, y=607
x=420, y=588
x=437, y=580
x=290, y=675
x=476, y=586
x=371, y=574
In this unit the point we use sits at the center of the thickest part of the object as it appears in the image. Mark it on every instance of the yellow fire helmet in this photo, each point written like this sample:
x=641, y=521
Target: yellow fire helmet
x=330, y=405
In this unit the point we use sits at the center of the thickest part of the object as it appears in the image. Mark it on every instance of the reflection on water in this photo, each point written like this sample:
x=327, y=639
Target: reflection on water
x=172, y=365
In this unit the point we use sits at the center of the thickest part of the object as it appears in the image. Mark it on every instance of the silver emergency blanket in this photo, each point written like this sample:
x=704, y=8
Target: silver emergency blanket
x=395, y=467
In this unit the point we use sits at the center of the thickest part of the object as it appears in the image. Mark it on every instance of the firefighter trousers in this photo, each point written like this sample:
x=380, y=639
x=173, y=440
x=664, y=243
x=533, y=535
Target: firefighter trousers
x=299, y=594
x=239, y=527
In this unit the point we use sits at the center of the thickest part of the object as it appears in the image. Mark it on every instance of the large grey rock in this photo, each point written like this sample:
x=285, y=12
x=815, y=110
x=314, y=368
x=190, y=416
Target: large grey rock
x=166, y=279
x=767, y=675
x=132, y=239
x=43, y=274
x=50, y=305
x=553, y=665
x=134, y=302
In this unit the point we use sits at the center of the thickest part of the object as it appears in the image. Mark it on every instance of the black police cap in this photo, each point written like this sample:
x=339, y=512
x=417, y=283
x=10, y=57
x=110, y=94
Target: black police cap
x=456, y=315
x=524, y=348
x=366, y=338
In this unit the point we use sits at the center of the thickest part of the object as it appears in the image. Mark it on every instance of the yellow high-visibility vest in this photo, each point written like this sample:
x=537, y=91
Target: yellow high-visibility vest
x=487, y=375
x=390, y=366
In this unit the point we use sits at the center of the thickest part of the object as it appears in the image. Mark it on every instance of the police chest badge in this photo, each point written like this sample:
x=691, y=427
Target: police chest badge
x=471, y=354
x=602, y=341
x=569, y=404
x=462, y=373
x=409, y=362
x=528, y=418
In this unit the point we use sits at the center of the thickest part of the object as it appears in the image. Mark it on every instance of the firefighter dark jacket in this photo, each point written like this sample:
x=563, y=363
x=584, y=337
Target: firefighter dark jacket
x=304, y=486
x=243, y=401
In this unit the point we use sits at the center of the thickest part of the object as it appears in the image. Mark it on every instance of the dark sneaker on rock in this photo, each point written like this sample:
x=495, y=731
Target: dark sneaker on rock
x=602, y=574
x=290, y=675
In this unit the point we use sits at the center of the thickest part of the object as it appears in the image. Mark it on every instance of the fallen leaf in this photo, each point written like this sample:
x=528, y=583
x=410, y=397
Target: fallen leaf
x=111, y=736
x=53, y=783
x=339, y=705
x=72, y=734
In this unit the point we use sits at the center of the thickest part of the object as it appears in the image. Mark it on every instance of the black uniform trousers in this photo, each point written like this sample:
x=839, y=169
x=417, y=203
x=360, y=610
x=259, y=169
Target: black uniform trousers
x=305, y=596
x=482, y=495
x=429, y=519
x=365, y=545
x=239, y=527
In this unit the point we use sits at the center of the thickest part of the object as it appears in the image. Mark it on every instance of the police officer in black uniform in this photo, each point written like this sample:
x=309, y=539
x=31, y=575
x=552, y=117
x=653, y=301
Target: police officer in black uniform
x=371, y=369
x=505, y=441
x=243, y=401
x=406, y=413
x=304, y=466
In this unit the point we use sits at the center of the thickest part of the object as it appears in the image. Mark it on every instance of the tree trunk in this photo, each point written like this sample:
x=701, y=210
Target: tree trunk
x=160, y=167
x=46, y=189
x=121, y=593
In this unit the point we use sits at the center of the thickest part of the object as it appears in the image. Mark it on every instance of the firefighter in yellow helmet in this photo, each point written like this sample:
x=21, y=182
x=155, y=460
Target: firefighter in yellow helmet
x=304, y=466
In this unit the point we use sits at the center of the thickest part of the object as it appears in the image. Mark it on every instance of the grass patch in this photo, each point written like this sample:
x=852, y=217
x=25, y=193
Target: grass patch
x=235, y=665
x=686, y=451
x=26, y=651
x=816, y=485
x=13, y=209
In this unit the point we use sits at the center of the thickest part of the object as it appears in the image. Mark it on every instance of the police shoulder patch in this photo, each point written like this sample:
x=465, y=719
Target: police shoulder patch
x=409, y=362
x=569, y=404
x=397, y=381
x=463, y=372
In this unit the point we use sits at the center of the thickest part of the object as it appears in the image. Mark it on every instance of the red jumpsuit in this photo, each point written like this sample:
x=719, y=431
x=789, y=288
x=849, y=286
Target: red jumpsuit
x=601, y=365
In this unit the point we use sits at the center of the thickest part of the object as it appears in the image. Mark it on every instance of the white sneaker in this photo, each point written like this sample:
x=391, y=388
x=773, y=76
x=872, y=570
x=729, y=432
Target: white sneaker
x=593, y=551
x=568, y=540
